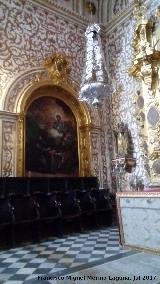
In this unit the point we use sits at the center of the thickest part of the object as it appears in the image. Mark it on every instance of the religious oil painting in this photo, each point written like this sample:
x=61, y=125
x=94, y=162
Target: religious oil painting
x=51, y=139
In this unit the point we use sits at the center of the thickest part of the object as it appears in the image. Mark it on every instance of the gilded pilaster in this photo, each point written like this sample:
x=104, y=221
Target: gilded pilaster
x=20, y=144
x=146, y=68
x=85, y=151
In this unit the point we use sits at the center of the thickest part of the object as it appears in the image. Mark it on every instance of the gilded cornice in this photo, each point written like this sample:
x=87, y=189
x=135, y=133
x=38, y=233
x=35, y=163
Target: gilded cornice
x=62, y=11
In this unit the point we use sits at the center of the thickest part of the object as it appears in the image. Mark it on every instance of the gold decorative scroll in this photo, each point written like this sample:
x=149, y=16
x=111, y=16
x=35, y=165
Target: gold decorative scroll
x=146, y=57
x=59, y=69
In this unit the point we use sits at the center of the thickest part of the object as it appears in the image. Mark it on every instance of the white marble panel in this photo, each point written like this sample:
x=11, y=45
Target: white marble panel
x=140, y=221
x=140, y=202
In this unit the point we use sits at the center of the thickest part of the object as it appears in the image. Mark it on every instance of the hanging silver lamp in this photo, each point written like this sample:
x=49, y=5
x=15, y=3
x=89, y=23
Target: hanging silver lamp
x=95, y=79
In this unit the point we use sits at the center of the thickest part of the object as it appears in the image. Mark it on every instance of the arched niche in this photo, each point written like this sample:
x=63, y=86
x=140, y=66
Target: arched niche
x=62, y=93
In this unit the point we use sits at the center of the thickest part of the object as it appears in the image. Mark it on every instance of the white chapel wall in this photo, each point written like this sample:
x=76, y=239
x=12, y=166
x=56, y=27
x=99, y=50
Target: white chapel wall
x=119, y=56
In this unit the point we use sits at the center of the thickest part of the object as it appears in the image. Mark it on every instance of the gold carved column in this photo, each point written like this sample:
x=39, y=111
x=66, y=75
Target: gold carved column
x=20, y=144
x=146, y=67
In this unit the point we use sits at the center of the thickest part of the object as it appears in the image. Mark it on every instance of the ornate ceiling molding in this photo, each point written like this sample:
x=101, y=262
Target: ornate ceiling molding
x=119, y=19
x=82, y=21
x=62, y=11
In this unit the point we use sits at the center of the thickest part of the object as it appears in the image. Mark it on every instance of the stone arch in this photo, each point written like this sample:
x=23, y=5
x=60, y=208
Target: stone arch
x=69, y=97
x=17, y=86
x=17, y=96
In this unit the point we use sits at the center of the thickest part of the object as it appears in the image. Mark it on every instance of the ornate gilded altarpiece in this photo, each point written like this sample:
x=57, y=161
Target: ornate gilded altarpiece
x=57, y=88
x=146, y=68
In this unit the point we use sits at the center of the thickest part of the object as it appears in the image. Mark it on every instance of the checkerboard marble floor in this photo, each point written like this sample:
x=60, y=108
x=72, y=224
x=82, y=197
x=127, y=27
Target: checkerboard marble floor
x=57, y=254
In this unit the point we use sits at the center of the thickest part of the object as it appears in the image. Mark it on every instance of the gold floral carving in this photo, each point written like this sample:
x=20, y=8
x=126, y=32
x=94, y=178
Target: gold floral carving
x=140, y=9
x=85, y=158
x=91, y=8
x=146, y=57
x=59, y=69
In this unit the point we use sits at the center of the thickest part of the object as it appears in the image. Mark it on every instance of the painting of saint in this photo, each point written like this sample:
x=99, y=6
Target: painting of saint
x=51, y=138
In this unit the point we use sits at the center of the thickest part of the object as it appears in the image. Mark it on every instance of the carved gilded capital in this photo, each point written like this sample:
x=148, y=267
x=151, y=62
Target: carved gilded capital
x=146, y=68
x=21, y=117
x=146, y=57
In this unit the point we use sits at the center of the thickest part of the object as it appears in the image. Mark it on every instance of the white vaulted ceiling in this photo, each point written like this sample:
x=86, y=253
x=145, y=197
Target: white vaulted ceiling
x=106, y=10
